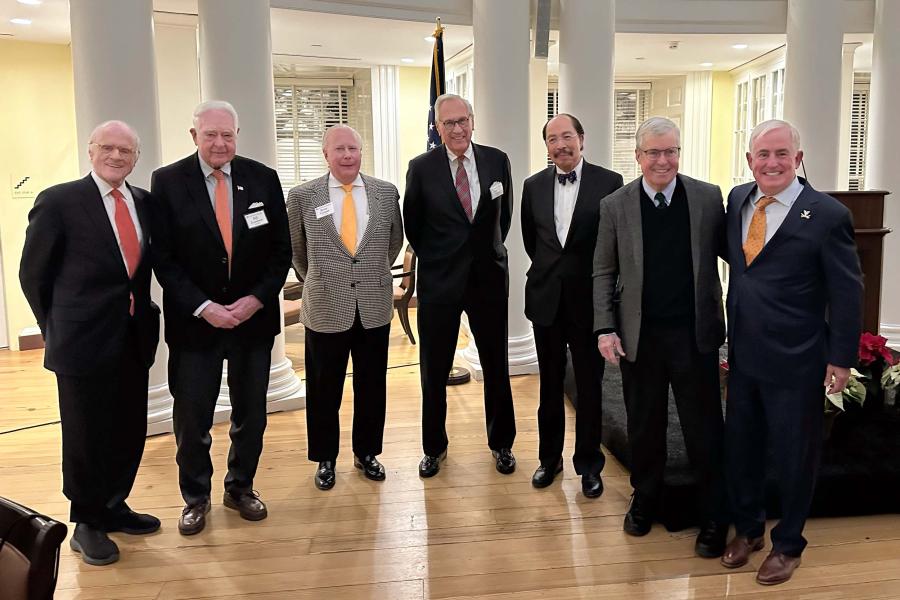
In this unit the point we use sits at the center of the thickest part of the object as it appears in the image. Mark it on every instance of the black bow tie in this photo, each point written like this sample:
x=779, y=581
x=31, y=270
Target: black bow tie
x=564, y=177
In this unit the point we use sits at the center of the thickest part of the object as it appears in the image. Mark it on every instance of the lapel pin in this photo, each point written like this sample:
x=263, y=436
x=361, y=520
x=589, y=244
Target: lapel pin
x=240, y=188
x=805, y=214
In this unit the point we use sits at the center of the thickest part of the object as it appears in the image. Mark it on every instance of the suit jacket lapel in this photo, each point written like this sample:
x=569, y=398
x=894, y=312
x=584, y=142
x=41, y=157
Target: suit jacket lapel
x=239, y=200
x=585, y=191
x=93, y=206
x=484, y=183
x=632, y=207
x=695, y=216
x=790, y=225
x=734, y=220
x=143, y=214
x=196, y=186
x=546, y=208
x=322, y=197
x=374, y=207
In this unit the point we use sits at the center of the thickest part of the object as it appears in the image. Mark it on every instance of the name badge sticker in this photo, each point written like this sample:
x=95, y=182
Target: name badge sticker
x=256, y=219
x=324, y=210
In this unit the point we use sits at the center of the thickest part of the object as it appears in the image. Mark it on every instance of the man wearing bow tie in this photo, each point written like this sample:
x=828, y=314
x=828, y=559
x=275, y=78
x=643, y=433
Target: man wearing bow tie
x=458, y=210
x=86, y=274
x=346, y=233
x=658, y=306
x=223, y=253
x=794, y=319
x=560, y=211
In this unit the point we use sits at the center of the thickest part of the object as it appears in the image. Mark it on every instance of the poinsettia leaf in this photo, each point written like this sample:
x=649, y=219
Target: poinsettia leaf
x=836, y=399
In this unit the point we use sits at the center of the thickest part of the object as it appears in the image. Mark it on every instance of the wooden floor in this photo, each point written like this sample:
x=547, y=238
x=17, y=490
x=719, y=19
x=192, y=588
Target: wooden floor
x=467, y=533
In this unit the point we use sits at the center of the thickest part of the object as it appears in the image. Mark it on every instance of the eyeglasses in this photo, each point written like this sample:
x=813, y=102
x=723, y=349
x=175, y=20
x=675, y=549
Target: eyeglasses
x=451, y=125
x=566, y=137
x=124, y=151
x=654, y=154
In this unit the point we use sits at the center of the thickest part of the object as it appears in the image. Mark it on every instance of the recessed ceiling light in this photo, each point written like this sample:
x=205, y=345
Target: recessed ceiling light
x=30, y=2
x=18, y=21
x=706, y=64
x=316, y=45
x=739, y=46
x=429, y=39
x=407, y=60
x=639, y=58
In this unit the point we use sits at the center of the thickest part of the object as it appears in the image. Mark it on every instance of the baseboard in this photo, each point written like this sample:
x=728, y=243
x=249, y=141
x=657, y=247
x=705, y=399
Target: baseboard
x=30, y=338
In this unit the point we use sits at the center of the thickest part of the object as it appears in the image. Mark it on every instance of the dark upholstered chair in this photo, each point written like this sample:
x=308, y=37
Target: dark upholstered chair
x=29, y=556
x=403, y=292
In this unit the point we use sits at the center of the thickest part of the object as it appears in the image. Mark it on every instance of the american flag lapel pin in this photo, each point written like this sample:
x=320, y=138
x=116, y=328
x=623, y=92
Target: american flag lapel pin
x=240, y=188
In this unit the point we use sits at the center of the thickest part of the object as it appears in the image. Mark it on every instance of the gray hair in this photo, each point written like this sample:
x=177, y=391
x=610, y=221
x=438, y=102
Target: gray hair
x=771, y=125
x=656, y=126
x=205, y=107
x=117, y=123
x=328, y=131
x=445, y=97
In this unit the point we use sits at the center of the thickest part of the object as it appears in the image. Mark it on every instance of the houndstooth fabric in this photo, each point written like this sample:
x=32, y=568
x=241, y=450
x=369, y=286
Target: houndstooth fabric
x=334, y=282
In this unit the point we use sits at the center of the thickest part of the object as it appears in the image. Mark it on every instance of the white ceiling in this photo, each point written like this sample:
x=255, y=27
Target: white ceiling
x=315, y=38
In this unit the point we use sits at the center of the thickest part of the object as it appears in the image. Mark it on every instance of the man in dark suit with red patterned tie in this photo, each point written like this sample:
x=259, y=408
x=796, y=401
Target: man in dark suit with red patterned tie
x=457, y=211
x=85, y=271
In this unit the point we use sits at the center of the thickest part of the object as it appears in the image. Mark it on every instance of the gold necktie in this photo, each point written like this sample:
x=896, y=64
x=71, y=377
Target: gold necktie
x=348, y=219
x=756, y=233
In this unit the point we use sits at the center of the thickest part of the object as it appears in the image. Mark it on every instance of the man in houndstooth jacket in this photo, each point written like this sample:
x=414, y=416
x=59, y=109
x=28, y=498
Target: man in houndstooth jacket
x=346, y=232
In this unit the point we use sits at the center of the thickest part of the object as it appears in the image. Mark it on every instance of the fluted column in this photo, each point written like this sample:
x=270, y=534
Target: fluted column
x=812, y=84
x=587, y=31
x=115, y=78
x=501, y=55
x=236, y=65
x=881, y=163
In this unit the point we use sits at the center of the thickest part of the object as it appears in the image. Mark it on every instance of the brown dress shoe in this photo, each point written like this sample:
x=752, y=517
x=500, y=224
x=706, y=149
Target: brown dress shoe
x=777, y=568
x=247, y=504
x=738, y=551
x=193, y=518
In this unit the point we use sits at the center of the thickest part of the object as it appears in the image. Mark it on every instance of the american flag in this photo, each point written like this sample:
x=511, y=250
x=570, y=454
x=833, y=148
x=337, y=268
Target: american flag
x=438, y=85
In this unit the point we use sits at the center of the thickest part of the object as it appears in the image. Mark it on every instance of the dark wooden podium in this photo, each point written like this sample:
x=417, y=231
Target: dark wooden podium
x=867, y=208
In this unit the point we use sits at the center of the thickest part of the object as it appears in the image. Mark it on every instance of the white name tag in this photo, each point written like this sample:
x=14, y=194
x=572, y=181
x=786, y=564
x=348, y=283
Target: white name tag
x=324, y=210
x=496, y=190
x=256, y=219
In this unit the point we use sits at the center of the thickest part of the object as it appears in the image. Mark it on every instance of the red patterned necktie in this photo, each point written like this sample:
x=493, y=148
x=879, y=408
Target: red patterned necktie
x=462, y=186
x=128, y=239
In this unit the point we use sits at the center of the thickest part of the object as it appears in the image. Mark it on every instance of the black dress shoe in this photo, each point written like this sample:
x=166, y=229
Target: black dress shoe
x=506, y=462
x=591, y=485
x=193, y=518
x=639, y=519
x=370, y=466
x=247, y=504
x=544, y=475
x=711, y=540
x=430, y=465
x=324, y=478
x=94, y=545
x=133, y=523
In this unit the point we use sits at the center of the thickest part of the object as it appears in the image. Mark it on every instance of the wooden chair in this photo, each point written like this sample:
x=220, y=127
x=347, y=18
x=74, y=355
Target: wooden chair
x=403, y=292
x=29, y=555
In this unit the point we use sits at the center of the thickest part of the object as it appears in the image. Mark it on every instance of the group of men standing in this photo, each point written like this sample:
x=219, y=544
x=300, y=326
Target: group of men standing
x=621, y=274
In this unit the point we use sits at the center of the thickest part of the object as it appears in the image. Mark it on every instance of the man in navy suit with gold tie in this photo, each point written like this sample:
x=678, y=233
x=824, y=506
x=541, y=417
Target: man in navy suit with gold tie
x=794, y=319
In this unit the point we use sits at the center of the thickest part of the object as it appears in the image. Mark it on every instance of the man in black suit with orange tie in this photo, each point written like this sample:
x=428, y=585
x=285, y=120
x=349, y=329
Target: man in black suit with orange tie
x=457, y=210
x=560, y=212
x=85, y=271
x=794, y=319
x=223, y=253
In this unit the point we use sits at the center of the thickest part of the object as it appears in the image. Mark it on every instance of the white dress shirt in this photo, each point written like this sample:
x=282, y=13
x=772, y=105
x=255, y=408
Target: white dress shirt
x=109, y=203
x=471, y=172
x=564, y=197
x=775, y=212
x=360, y=201
x=668, y=191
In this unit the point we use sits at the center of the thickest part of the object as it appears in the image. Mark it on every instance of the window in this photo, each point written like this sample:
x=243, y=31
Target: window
x=759, y=96
x=859, y=116
x=741, y=133
x=777, y=99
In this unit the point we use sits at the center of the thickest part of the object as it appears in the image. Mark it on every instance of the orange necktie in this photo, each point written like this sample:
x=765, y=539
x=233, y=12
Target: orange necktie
x=223, y=215
x=128, y=239
x=348, y=219
x=756, y=233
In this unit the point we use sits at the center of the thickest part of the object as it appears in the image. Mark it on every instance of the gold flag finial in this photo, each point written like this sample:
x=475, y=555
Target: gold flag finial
x=438, y=30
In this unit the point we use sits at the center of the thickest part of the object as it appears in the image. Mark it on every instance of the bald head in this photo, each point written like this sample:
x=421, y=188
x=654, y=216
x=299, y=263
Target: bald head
x=114, y=147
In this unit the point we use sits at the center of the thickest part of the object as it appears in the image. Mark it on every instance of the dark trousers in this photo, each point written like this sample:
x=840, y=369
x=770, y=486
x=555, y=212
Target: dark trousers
x=790, y=419
x=195, y=376
x=104, y=425
x=326, y=370
x=551, y=342
x=669, y=356
x=438, y=334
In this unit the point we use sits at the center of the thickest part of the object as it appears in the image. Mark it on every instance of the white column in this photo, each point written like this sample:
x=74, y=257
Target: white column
x=115, y=78
x=695, y=130
x=236, y=65
x=501, y=44
x=537, y=109
x=812, y=84
x=587, y=37
x=881, y=163
x=843, y=173
x=385, y=123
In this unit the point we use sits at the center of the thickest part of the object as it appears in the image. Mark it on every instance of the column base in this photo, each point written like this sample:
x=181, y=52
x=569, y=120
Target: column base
x=286, y=392
x=522, y=356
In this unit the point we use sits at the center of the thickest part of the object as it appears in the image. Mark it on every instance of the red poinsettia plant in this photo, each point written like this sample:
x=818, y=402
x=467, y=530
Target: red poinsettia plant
x=873, y=348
